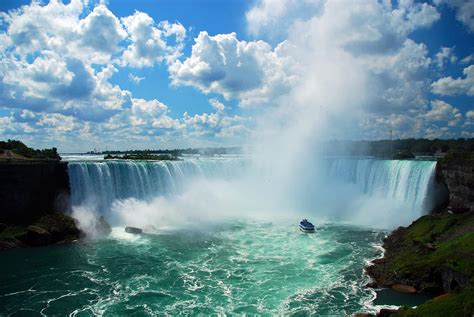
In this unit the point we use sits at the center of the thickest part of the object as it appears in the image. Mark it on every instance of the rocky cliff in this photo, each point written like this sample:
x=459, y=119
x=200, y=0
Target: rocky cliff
x=32, y=189
x=457, y=173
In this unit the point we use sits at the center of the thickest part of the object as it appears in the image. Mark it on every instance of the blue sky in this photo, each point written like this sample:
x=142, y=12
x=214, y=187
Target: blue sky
x=164, y=74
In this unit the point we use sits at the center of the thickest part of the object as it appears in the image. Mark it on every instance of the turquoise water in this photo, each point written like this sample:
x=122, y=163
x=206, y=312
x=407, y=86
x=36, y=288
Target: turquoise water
x=219, y=263
x=234, y=267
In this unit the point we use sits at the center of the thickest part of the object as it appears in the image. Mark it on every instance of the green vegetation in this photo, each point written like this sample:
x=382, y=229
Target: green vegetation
x=454, y=304
x=389, y=148
x=458, y=154
x=12, y=233
x=20, y=148
x=142, y=156
x=403, y=155
x=178, y=152
x=453, y=241
x=427, y=246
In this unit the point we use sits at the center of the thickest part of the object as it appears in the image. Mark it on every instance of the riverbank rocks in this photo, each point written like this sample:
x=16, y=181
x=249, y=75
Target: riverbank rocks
x=50, y=229
x=36, y=236
x=401, y=288
x=434, y=255
x=452, y=280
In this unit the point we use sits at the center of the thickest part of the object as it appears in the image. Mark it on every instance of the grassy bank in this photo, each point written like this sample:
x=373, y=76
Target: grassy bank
x=434, y=254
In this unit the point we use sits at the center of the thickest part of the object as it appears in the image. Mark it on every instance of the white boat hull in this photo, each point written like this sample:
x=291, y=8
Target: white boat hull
x=307, y=230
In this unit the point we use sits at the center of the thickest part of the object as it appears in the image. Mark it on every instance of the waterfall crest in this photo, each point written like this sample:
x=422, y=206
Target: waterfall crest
x=349, y=185
x=100, y=183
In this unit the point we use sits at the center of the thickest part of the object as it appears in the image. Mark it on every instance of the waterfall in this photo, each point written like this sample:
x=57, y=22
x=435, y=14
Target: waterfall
x=100, y=183
x=407, y=183
x=404, y=180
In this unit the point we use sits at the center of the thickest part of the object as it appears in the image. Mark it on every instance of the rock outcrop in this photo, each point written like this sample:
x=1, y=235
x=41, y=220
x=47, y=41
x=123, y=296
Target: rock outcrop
x=457, y=173
x=50, y=229
x=32, y=189
x=34, y=197
x=434, y=255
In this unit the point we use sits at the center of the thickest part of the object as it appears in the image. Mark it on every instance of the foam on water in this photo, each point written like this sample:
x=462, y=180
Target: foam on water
x=236, y=267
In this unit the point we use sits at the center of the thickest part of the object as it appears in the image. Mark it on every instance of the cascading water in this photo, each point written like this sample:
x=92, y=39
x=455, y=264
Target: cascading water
x=406, y=183
x=404, y=180
x=99, y=183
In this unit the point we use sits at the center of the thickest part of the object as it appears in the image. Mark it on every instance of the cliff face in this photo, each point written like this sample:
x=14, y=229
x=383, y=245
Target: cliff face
x=30, y=190
x=458, y=175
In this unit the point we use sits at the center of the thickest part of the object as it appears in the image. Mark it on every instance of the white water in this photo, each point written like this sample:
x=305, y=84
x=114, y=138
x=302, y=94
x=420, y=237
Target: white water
x=379, y=193
x=100, y=183
x=407, y=182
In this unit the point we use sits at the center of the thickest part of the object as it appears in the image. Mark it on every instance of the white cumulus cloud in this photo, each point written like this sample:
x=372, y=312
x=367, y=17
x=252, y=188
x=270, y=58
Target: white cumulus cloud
x=250, y=71
x=449, y=86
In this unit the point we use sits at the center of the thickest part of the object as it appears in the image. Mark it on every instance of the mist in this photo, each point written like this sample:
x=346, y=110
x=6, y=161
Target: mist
x=341, y=76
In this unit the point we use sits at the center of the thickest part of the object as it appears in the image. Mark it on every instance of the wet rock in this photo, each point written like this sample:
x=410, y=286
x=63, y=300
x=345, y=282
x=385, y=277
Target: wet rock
x=62, y=227
x=102, y=226
x=10, y=244
x=401, y=288
x=384, y=312
x=372, y=285
x=453, y=280
x=36, y=236
x=458, y=176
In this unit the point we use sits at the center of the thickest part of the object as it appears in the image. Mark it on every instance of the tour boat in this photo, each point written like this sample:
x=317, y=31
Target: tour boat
x=306, y=226
x=133, y=230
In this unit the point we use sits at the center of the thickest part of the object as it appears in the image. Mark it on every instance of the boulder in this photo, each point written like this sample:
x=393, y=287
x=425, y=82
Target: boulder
x=102, y=227
x=36, y=236
x=385, y=312
x=61, y=227
x=401, y=288
x=10, y=244
x=453, y=280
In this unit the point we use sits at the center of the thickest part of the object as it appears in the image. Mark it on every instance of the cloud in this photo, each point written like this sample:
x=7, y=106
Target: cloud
x=468, y=59
x=59, y=58
x=217, y=105
x=271, y=17
x=53, y=83
x=250, y=71
x=35, y=27
x=145, y=111
x=464, y=11
x=100, y=34
x=434, y=122
x=363, y=49
x=149, y=42
x=445, y=54
x=217, y=124
x=135, y=79
x=443, y=111
x=448, y=86
x=360, y=73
